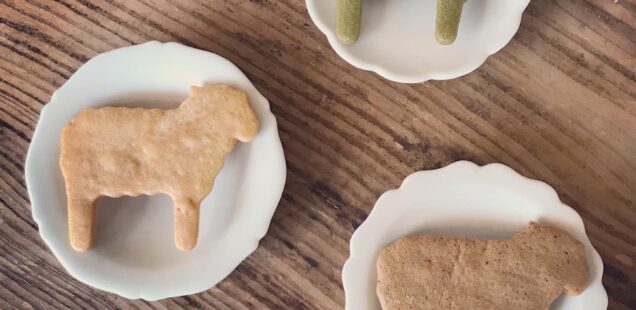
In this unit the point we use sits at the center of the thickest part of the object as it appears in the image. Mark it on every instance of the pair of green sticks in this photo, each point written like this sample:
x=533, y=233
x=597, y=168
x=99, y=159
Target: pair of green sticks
x=446, y=23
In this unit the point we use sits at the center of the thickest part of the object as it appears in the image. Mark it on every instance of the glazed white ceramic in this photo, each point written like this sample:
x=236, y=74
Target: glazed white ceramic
x=397, y=40
x=134, y=253
x=463, y=199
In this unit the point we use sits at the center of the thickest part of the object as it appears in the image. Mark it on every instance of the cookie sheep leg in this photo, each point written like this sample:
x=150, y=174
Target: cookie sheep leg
x=81, y=222
x=186, y=223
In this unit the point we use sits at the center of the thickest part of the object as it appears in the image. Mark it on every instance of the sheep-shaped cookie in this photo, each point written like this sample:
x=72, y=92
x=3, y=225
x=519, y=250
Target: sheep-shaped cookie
x=115, y=151
x=526, y=272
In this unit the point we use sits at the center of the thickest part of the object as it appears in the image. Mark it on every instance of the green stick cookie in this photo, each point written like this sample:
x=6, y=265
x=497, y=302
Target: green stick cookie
x=449, y=12
x=348, y=20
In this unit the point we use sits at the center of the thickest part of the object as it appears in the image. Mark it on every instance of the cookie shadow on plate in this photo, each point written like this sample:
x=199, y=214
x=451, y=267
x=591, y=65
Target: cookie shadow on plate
x=121, y=234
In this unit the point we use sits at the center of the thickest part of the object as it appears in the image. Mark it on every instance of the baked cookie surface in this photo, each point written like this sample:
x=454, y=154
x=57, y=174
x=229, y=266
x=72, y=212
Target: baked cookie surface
x=528, y=271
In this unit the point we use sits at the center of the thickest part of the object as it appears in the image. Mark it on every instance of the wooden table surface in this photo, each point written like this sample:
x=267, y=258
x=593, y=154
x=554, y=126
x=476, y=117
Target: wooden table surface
x=558, y=104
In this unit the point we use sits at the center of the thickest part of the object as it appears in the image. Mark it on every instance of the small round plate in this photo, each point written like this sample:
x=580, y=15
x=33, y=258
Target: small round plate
x=134, y=253
x=397, y=40
x=463, y=199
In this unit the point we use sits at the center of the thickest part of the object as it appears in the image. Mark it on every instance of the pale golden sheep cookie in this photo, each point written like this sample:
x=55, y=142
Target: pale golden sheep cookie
x=526, y=272
x=132, y=151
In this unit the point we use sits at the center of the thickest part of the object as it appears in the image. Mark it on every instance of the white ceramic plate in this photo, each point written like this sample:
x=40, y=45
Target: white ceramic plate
x=134, y=253
x=397, y=40
x=463, y=199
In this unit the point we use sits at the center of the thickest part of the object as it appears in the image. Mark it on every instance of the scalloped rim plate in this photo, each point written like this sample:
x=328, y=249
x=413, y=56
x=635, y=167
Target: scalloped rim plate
x=463, y=199
x=397, y=38
x=134, y=254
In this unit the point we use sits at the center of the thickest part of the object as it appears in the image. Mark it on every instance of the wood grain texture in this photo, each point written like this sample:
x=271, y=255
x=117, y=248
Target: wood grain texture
x=557, y=104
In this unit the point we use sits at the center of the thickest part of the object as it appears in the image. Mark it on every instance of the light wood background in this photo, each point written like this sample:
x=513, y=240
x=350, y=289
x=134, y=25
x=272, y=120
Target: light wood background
x=557, y=104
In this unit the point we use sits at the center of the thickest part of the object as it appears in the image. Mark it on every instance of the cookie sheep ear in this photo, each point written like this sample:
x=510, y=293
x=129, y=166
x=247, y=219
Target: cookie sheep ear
x=247, y=121
x=194, y=90
x=577, y=275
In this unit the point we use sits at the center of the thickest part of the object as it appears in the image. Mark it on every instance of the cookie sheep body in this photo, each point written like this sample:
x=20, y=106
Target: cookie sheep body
x=131, y=151
x=527, y=272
